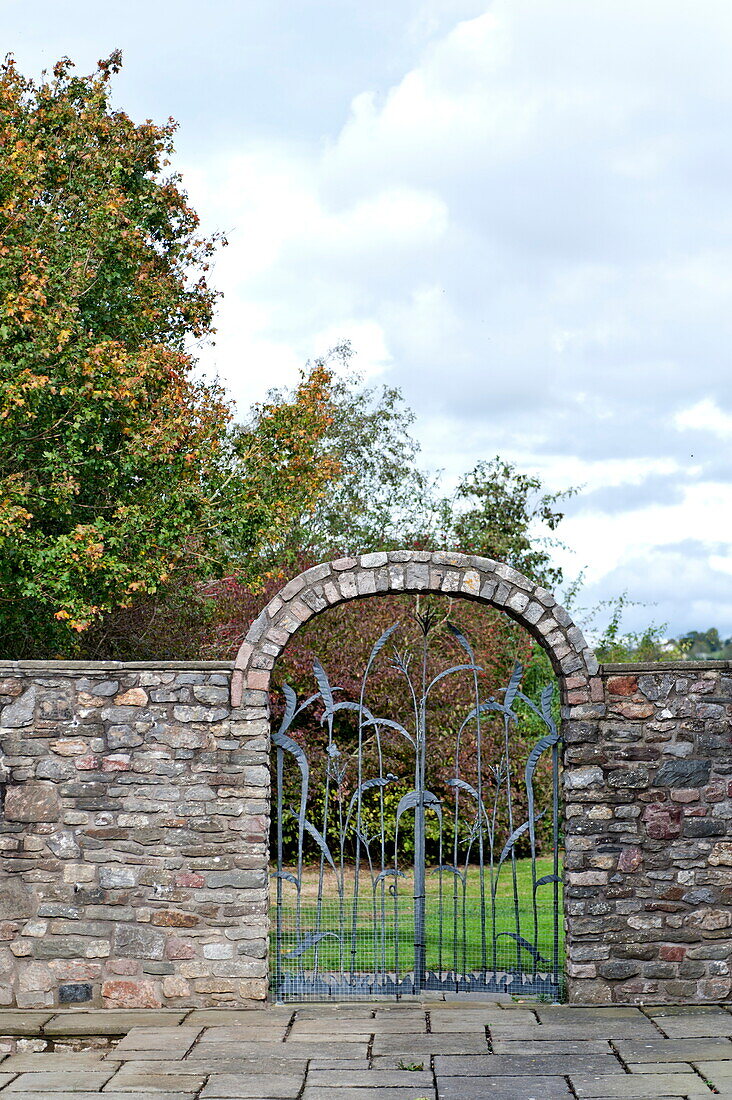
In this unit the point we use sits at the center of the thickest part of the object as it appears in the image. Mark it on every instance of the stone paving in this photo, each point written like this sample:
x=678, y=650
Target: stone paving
x=430, y=1050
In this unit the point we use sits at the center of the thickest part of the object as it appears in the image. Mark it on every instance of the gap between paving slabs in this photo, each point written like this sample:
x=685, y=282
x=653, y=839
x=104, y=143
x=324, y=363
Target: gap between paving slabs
x=465, y=1050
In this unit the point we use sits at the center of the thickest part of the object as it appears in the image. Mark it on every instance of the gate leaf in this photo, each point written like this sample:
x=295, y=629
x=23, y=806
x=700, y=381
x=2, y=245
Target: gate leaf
x=448, y=671
x=546, y=879
x=461, y=639
x=379, y=645
x=513, y=685
x=546, y=706
x=388, y=871
x=448, y=867
x=290, y=707
x=324, y=684
x=283, y=741
x=307, y=942
x=410, y=800
x=390, y=725
x=538, y=957
x=286, y=875
x=368, y=785
x=319, y=840
x=515, y=836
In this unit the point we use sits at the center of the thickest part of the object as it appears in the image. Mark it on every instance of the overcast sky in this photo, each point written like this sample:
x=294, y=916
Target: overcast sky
x=518, y=211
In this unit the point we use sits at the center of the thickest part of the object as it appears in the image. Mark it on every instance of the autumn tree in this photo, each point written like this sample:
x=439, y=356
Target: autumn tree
x=120, y=468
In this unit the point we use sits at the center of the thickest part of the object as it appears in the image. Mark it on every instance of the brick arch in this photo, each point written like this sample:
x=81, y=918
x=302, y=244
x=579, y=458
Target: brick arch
x=414, y=571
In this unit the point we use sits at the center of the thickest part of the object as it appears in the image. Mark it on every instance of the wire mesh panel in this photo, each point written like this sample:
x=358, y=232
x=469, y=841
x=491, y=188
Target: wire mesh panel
x=389, y=883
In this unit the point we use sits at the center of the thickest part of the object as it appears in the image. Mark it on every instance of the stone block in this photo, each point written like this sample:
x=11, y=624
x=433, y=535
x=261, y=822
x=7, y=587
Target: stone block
x=33, y=801
x=20, y=712
x=74, y=993
x=117, y=993
x=132, y=941
x=683, y=773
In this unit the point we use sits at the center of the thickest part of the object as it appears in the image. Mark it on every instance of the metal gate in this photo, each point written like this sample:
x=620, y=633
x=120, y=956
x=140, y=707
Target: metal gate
x=389, y=883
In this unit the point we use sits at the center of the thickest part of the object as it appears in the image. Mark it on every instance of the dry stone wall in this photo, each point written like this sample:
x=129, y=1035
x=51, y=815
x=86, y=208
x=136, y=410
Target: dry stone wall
x=135, y=810
x=648, y=865
x=133, y=838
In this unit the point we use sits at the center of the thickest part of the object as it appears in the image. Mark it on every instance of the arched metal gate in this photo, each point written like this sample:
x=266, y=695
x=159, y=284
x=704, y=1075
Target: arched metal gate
x=391, y=880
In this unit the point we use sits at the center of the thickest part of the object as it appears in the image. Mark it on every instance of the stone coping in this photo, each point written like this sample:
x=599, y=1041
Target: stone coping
x=69, y=668
x=62, y=668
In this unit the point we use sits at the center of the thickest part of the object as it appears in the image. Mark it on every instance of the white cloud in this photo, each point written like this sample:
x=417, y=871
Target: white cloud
x=530, y=231
x=705, y=416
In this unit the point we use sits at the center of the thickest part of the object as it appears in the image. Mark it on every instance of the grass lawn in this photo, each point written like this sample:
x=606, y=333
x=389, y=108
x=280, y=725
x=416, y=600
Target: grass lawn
x=384, y=924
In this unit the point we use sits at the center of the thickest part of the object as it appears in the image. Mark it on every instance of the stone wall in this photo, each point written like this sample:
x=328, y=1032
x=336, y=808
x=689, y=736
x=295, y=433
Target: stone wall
x=648, y=868
x=133, y=838
x=134, y=824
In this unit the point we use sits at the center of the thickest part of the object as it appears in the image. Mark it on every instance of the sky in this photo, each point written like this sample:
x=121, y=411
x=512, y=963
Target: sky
x=518, y=212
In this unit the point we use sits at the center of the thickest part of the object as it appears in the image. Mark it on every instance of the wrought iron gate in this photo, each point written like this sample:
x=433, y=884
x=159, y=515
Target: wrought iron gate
x=388, y=893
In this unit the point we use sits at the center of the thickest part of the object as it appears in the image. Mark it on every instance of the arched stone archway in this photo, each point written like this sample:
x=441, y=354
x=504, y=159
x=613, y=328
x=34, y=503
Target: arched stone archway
x=457, y=575
x=413, y=571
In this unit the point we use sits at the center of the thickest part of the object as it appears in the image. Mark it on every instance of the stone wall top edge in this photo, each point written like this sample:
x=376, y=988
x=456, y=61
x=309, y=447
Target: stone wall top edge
x=627, y=668
x=73, y=668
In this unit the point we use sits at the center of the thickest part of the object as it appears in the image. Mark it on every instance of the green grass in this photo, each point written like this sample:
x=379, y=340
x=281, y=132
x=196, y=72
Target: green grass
x=388, y=942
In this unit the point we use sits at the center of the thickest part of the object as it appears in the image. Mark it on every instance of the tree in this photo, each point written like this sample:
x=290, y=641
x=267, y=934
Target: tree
x=120, y=470
x=383, y=499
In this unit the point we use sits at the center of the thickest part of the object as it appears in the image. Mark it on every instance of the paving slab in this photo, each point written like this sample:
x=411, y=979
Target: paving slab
x=82, y=1080
x=549, y=1013
x=714, y=1071
x=110, y=1021
x=55, y=1095
x=534, y=1047
x=318, y=1093
x=325, y=1062
x=370, y=1078
x=661, y=1067
x=704, y=1025
x=210, y=1017
x=591, y=1029
x=170, y=1053
x=676, y=1050
x=503, y=1088
x=639, y=1087
x=148, y=1038
x=273, y=1032
x=23, y=1021
x=156, y=1083
x=258, y=1051
x=274, y=1086
x=504, y=1065
x=680, y=1010
x=424, y=1045
x=51, y=1060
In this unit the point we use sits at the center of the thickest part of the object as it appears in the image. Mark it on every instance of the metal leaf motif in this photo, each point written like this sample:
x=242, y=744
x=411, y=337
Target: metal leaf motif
x=449, y=671
x=379, y=645
x=290, y=707
x=287, y=875
x=411, y=799
x=533, y=951
x=324, y=684
x=308, y=941
x=390, y=725
x=369, y=785
x=388, y=872
x=515, y=836
x=547, y=879
x=283, y=741
x=513, y=685
x=448, y=867
x=461, y=639
x=319, y=840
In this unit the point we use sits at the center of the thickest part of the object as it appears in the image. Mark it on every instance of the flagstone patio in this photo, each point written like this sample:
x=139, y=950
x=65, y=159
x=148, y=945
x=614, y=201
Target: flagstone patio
x=431, y=1050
